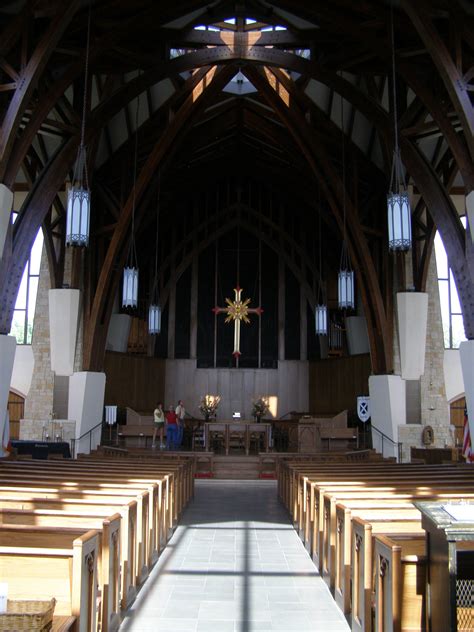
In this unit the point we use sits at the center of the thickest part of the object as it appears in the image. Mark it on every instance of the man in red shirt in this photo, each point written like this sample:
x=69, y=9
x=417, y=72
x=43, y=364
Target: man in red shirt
x=171, y=429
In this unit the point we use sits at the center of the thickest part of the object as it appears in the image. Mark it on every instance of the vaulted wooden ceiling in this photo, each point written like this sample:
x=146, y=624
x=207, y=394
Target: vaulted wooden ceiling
x=252, y=93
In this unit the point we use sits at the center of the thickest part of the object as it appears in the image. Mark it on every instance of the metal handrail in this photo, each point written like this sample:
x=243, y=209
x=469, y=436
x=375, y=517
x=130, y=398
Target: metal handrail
x=396, y=444
x=76, y=440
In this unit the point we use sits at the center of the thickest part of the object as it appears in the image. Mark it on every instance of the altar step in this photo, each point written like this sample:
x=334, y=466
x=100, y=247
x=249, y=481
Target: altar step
x=236, y=467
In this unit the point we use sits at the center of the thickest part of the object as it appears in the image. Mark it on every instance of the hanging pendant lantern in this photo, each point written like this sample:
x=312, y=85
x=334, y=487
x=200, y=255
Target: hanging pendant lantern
x=399, y=221
x=345, y=279
x=130, y=272
x=398, y=203
x=321, y=320
x=130, y=287
x=78, y=205
x=345, y=289
x=154, y=320
x=154, y=311
x=79, y=197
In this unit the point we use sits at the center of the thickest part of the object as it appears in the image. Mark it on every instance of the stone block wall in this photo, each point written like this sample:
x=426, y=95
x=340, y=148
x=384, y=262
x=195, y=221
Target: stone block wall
x=435, y=410
x=39, y=402
x=48, y=393
x=31, y=430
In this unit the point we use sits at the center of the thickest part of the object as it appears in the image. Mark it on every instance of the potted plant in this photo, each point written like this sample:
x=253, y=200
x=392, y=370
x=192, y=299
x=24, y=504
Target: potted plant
x=209, y=405
x=260, y=407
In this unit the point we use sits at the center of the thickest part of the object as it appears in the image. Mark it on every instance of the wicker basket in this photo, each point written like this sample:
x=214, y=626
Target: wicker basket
x=27, y=615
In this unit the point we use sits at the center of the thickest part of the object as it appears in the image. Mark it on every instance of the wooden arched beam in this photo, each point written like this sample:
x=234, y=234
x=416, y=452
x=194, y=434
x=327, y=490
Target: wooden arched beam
x=222, y=230
x=381, y=47
x=459, y=250
x=30, y=77
x=37, y=205
x=423, y=248
x=331, y=185
x=95, y=336
x=370, y=109
x=419, y=13
x=186, y=245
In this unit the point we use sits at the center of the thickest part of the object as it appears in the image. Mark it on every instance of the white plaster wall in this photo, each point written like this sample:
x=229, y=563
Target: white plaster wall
x=453, y=379
x=466, y=351
x=7, y=356
x=86, y=405
x=412, y=316
x=289, y=385
x=23, y=367
x=63, y=321
x=388, y=407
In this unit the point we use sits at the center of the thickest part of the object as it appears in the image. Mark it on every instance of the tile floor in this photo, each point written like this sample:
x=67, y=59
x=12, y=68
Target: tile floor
x=234, y=564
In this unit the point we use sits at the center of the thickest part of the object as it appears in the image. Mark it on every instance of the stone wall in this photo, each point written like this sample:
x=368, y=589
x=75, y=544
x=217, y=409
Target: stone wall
x=39, y=402
x=434, y=405
x=59, y=429
x=48, y=393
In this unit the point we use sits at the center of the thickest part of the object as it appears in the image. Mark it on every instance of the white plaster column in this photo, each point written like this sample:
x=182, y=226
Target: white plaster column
x=357, y=336
x=118, y=333
x=466, y=351
x=63, y=320
x=453, y=379
x=412, y=316
x=7, y=357
x=86, y=405
x=388, y=408
x=6, y=205
x=23, y=368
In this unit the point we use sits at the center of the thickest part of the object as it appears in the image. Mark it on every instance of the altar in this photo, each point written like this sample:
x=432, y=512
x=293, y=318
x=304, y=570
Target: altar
x=241, y=433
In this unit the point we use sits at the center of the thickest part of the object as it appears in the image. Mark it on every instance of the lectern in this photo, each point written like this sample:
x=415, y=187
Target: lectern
x=449, y=527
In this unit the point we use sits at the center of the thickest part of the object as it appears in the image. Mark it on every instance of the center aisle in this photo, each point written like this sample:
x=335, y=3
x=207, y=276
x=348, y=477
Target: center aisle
x=235, y=564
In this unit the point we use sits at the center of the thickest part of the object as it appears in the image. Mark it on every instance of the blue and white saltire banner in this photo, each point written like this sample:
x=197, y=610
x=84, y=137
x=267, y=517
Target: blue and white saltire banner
x=363, y=408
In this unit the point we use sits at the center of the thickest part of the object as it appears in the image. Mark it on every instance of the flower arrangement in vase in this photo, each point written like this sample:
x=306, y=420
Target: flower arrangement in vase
x=260, y=407
x=209, y=405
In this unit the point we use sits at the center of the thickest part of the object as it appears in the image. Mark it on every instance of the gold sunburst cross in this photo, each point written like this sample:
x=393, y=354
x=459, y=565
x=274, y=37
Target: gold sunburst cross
x=237, y=311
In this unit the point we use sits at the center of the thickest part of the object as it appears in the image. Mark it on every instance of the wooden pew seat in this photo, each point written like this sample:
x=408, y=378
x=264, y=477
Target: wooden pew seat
x=53, y=563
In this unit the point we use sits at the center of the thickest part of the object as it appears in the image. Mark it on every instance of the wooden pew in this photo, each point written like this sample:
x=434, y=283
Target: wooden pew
x=109, y=560
x=337, y=553
x=323, y=513
x=140, y=567
x=128, y=514
x=175, y=488
x=63, y=565
x=172, y=493
x=363, y=569
x=391, y=476
x=400, y=580
x=91, y=482
x=394, y=474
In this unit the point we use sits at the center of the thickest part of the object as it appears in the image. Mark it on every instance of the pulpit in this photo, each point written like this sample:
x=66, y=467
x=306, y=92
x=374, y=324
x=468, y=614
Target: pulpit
x=309, y=435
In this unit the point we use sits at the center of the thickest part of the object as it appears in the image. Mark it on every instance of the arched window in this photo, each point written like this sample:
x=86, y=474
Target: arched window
x=451, y=313
x=23, y=316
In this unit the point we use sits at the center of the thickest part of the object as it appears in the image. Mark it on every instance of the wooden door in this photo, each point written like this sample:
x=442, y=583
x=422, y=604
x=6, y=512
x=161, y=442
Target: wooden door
x=16, y=408
x=457, y=418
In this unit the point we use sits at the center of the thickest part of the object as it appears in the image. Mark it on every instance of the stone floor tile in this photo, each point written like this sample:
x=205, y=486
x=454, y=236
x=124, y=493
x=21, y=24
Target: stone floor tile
x=235, y=564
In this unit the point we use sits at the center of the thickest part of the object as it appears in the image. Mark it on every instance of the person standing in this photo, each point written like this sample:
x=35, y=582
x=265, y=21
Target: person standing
x=171, y=429
x=159, y=423
x=180, y=414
